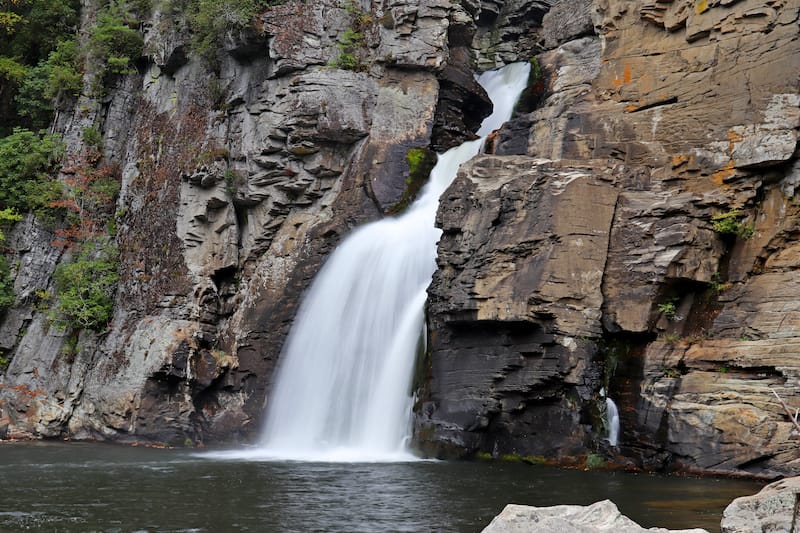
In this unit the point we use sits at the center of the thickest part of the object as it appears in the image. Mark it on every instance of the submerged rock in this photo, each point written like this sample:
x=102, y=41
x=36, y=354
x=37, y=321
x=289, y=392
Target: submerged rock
x=600, y=517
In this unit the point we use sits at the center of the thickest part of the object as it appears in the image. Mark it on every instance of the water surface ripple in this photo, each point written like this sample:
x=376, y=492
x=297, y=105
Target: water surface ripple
x=93, y=487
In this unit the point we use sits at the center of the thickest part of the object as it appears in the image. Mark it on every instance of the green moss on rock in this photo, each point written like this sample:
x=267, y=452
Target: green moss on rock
x=421, y=161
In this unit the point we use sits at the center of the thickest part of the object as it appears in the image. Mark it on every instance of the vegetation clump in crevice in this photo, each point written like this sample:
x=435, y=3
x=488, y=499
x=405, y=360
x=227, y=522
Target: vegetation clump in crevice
x=730, y=223
x=535, y=90
x=352, y=39
x=115, y=43
x=8, y=217
x=669, y=309
x=28, y=162
x=85, y=287
x=210, y=21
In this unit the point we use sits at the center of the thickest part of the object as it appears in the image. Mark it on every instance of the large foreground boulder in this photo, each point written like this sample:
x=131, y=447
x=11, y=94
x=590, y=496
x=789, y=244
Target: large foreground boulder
x=600, y=517
x=775, y=509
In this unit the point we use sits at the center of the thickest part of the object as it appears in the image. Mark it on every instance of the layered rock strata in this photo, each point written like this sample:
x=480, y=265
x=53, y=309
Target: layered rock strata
x=237, y=181
x=633, y=230
x=590, y=251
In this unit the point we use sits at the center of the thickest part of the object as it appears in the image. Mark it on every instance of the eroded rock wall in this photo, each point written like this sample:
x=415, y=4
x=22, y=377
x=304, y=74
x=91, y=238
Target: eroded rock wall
x=238, y=177
x=585, y=253
x=582, y=254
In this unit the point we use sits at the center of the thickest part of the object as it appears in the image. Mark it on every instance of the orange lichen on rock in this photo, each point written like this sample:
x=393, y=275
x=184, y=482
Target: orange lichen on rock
x=733, y=138
x=679, y=160
x=626, y=76
x=724, y=173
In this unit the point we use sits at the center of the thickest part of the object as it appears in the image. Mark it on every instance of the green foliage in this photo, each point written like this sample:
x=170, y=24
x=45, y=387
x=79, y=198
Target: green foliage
x=349, y=42
x=39, y=27
x=27, y=161
x=64, y=76
x=85, y=287
x=92, y=137
x=536, y=70
x=717, y=285
x=211, y=20
x=668, y=309
x=352, y=38
x=730, y=223
x=29, y=32
x=7, y=296
x=115, y=41
x=31, y=99
x=70, y=347
x=11, y=70
x=8, y=216
x=233, y=180
x=594, y=461
x=9, y=21
x=670, y=338
x=52, y=80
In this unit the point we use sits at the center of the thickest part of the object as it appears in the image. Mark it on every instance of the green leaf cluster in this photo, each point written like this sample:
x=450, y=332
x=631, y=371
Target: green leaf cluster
x=351, y=40
x=27, y=162
x=211, y=20
x=30, y=31
x=85, y=288
x=730, y=223
x=115, y=40
x=53, y=79
x=668, y=309
x=8, y=217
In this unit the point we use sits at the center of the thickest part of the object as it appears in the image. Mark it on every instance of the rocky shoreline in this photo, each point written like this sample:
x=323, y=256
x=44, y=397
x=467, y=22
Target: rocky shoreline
x=775, y=509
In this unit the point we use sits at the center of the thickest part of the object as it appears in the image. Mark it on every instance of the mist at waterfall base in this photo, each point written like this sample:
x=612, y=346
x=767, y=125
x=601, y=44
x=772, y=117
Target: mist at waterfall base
x=343, y=387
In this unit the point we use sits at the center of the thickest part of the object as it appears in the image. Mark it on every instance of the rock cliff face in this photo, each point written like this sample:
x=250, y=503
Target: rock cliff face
x=589, y=250
x=236, y=182
x=586, y=252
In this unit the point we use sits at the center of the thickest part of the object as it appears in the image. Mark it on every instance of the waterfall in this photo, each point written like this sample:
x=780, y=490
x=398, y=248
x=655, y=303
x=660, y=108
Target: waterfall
x=612, y=421
x=343, y=387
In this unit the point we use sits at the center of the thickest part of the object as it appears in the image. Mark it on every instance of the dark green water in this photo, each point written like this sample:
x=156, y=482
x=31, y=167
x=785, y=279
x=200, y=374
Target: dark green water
x=93, y=487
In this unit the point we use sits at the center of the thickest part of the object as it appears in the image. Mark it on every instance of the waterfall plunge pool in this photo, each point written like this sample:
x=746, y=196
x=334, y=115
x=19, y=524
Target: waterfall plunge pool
x=95, y=487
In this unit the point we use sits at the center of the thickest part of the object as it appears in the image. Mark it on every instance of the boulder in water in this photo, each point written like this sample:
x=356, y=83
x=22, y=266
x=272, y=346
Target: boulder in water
x=600, y=517
x=775, y=509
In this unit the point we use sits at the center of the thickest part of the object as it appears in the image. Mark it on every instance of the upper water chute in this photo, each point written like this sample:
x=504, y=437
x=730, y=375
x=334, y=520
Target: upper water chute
x=343, y=387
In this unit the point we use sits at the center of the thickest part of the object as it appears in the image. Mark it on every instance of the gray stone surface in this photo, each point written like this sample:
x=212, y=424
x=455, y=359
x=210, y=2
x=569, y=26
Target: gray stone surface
x=599, y=517
x=774, y=509
x=561, y=255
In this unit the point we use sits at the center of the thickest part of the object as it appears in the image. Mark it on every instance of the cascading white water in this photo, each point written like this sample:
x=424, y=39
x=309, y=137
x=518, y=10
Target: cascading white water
x=343, y=388
x=612, y=418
